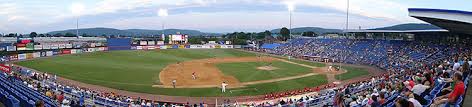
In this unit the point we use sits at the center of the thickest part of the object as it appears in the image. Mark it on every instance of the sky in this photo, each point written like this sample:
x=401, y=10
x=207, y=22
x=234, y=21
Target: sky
x=217, y=16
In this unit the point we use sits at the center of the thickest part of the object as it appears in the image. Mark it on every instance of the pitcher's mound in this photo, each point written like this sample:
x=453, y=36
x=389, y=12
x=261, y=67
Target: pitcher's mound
x=267, y=68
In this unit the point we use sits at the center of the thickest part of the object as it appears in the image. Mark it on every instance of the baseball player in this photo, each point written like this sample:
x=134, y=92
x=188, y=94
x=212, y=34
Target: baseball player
x=174, y=82
x=223, y=87
x=194, y=77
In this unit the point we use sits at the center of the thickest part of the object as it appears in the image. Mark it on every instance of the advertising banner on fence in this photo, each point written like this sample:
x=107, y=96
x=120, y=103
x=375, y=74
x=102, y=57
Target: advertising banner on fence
x=21, y=56
x=143, y=43
x=13, y=57
x=169, y=46
x=56, y=52
x=46, y=46
x=175, y=46
x=237, y=46
x=102, y=48
x=38, y=47
x=139, y=47
x=54, y=46
x=36, y=54
x=66, y=51
x=11, y=48
x=69, y=46
x=181, y=46
x=5, y=68
x=160, y=42
x=62, y=46
x=151, y=47
x=43, y=54
x=4, y=58
x=49, y=53
x=29, y=55
x=151, y=43
x=30, y=46
x=194, y=46
x=73, y=51
x=98, y=44
x=163, y=47
x=206, y=46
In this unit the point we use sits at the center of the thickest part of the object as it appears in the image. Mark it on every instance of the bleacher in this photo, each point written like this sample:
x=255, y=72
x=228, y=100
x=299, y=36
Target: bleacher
x=17, y=94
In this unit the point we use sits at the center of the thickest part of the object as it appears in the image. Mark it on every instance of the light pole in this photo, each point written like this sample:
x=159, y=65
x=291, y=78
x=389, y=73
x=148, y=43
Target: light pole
x=77, y=27
x=291, y=8
x=163, y=13
x=77, y=9
x=347, y=18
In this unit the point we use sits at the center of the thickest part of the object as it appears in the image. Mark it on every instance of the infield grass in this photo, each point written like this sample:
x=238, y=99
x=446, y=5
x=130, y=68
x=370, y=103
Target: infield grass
x=247, y=71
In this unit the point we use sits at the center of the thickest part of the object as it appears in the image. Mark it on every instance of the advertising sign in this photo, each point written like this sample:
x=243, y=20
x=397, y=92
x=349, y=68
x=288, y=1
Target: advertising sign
x=46, y=46
x=151, y=43
x=5, y=68
x=92, y=45
x=163, y=47
x=66, y=51
x=62, y=46
x=11, y=48
x=73, y=51
x=56, y=52
x=69, y=46
x=151, y=47
x=160, y=42
x=181, y=46
x=143, y=43
x=13, y=57
x=36, y=54
x=38, y=47
x=139, y=47
x=43, y=54
x=54, y=46
x=29, y=55
x=49, y=53
x=21, y=56
x=237, y=46
x=30, y=46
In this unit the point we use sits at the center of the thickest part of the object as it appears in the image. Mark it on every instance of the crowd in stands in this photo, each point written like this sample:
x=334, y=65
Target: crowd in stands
x=73, y=96
x=417, y=73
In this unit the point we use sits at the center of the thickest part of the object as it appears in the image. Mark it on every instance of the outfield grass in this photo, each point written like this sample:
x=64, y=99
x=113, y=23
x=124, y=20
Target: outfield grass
x=247, y=71
x=300, y=61
x=137, y=71
x=352, y=72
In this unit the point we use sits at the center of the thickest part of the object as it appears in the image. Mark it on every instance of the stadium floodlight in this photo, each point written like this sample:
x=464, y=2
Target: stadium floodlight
x=291, y=8
x=77, y=9
x=163, y=13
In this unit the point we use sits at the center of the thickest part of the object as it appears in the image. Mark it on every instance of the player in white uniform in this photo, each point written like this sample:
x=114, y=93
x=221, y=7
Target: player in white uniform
x=223, y=87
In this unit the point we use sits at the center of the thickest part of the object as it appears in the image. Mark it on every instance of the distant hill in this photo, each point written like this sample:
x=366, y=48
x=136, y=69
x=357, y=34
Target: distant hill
x=409, y=26
x=317, y=30
x=131, y=32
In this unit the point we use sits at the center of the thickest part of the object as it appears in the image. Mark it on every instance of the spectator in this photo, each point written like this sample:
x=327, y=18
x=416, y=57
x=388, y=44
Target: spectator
x=452, y=97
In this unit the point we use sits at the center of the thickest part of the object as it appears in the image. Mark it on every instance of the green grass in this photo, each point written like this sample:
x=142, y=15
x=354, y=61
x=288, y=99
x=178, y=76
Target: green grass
x=352, y=72
x=247, y=71
x=300, y=83
x=315, y=64
x=137, y=71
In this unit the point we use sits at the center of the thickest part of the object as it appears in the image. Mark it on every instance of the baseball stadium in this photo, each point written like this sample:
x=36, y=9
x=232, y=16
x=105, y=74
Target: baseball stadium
x=395, y=66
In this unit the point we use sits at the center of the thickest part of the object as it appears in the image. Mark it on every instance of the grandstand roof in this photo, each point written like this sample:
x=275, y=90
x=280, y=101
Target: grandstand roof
x=452, y=20
x=393, y=31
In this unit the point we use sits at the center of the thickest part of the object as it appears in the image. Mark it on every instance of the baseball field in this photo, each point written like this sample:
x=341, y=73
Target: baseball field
x=152, y=71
